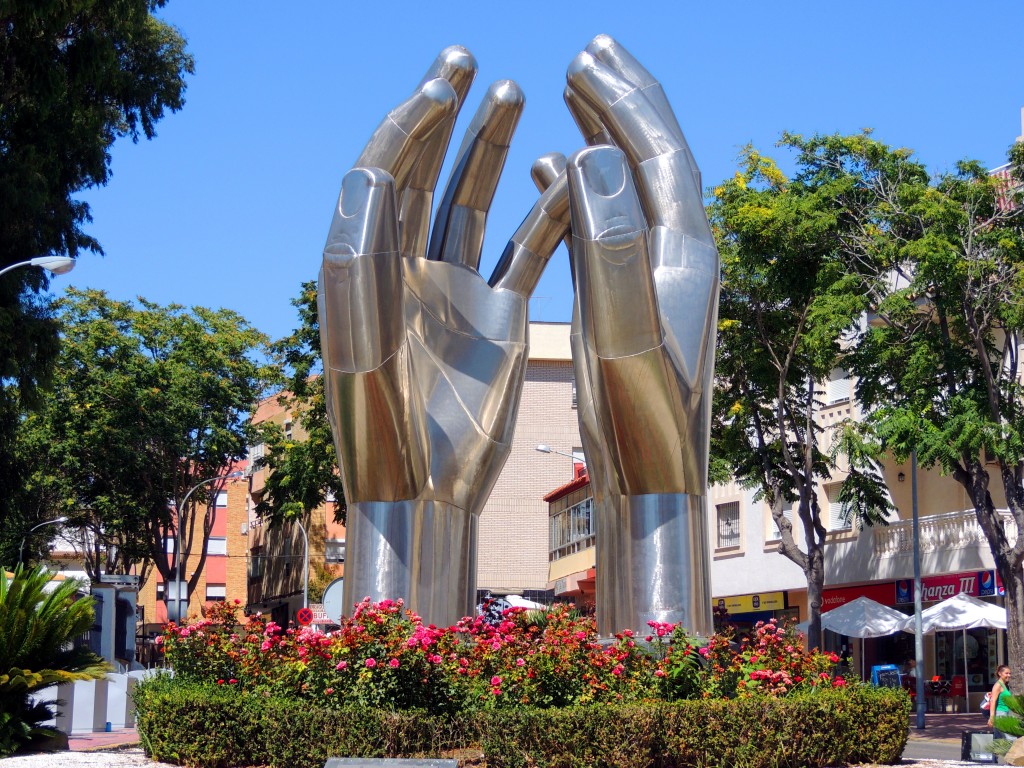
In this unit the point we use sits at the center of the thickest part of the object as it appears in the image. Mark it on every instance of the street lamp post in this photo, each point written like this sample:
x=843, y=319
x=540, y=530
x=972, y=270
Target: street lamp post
x=21, y=549
x=177, y=534
x=548, y=449
x=57, y=265
x=305, y=566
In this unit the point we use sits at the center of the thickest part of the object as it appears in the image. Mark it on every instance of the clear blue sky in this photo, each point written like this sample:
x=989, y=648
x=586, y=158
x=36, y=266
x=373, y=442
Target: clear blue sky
x=229, y=205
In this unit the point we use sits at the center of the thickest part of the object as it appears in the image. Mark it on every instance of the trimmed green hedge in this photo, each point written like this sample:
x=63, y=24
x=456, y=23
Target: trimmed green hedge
x=219, y=727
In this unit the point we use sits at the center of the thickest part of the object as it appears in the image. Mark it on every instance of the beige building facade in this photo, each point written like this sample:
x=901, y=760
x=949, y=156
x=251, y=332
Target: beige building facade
x=513, y=543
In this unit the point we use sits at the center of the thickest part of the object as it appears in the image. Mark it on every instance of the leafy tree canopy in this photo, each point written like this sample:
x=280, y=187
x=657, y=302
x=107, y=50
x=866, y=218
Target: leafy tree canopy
x=75, y=75
x=147, y=402
x=791, y=294
x=302, y=471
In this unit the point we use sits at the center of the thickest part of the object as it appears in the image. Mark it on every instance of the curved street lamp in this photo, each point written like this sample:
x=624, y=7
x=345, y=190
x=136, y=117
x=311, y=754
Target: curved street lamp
x=21, y=549
x=548, y=449
x=177, y=534
x=56, y=265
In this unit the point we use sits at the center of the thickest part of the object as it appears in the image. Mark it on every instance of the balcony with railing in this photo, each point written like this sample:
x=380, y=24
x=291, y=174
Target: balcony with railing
x=944, y=532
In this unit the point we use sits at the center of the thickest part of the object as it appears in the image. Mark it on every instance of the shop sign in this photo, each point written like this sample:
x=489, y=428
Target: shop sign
x=935, y=588
x=764, y=601
x=833, y=598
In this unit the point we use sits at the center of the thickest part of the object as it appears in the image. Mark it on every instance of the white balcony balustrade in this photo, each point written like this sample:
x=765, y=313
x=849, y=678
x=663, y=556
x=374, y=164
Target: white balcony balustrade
x=948, y=531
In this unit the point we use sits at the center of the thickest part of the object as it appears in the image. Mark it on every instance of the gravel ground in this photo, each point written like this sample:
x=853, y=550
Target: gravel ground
x=135, y=757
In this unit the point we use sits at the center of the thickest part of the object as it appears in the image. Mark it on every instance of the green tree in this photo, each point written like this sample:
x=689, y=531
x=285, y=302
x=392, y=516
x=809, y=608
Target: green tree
x=789, y=297
x=147, y=402
x=940, y=367
x=37, y=631
x=302, y=471
x=74, y=76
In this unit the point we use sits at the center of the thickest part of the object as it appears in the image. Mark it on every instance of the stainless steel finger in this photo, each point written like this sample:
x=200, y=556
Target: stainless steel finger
x=401, y=136
x=610, y=51
x=613, y=269
x=361, y=269
x=527, y=253
x=587, y=121
x=546, y=168
x=458, y=234
x=456, y=65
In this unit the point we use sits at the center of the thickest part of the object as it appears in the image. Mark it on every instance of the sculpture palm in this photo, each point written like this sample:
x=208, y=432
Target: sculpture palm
x=424, y=359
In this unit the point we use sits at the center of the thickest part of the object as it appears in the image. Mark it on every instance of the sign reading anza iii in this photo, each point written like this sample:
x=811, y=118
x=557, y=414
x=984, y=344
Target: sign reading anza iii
x=933, y=588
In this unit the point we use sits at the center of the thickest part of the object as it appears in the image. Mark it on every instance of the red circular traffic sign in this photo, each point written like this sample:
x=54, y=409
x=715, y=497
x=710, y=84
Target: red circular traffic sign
x=304, y=616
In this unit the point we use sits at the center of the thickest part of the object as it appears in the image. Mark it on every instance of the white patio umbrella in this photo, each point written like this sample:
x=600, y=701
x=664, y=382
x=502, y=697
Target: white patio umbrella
x=863, y=618
x=961, y=612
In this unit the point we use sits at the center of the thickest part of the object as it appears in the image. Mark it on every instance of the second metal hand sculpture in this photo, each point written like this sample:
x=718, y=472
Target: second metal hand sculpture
x=646, y=272
x=424, y=359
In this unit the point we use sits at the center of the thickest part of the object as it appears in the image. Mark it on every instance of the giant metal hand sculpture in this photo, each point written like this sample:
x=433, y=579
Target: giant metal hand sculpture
x=424, y=360
x=646, y=272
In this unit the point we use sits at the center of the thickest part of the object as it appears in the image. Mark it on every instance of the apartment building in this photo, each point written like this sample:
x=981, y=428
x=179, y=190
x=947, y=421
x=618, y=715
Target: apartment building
x=513, y=553
x=224, y=572
x=278, y=556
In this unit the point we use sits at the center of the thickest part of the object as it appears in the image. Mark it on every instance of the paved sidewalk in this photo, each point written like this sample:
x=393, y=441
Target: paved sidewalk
x=940, y=739
x=93, y=741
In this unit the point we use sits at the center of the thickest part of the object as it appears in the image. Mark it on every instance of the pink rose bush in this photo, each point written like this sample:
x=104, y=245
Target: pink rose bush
x=385, y=657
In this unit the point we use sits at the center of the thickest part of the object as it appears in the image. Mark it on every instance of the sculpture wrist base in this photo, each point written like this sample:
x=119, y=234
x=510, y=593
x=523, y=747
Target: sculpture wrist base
x=653, y=563
x=423, y=552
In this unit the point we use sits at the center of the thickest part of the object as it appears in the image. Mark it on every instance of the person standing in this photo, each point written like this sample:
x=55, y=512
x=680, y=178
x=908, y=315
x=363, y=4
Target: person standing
x=997, y=699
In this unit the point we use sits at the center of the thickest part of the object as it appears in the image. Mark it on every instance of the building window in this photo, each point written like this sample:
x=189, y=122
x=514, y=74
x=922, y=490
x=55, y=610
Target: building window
x=574, y=393
x=222, y=498
x=257, y=451
x=840, y=517
x=334, y=550
x=728, y=525
x=572, y=529
x=257, y=563
x=216, y=593
x=160, y=591
x=288, y=429
x=776, y=533
x=217, y=545
x=169, y=545
x=838, y=387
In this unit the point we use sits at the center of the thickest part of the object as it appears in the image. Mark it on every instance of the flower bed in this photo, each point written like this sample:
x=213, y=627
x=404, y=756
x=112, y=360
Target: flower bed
x=537, y=689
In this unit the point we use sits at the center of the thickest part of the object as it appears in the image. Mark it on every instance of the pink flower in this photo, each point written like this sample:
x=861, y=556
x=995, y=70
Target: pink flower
x=495, y=681
x=412, y=642
x=659, y=673
x=328, y=691
x=434, y=658
x=393, y=663
x=520, y=663
x=232, y=681
x=371, y=663
x=341, y=665
x=618, y=669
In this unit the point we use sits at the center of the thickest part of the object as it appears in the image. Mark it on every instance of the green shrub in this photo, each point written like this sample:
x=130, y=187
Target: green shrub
x=219, y=726
x=36, y=630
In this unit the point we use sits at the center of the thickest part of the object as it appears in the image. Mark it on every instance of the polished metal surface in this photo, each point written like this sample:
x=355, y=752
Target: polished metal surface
x=646, y=272
x=424, y=359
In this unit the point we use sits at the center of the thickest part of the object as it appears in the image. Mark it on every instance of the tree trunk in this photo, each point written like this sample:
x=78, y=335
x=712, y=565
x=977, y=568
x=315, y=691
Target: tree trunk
x=1013, y=581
